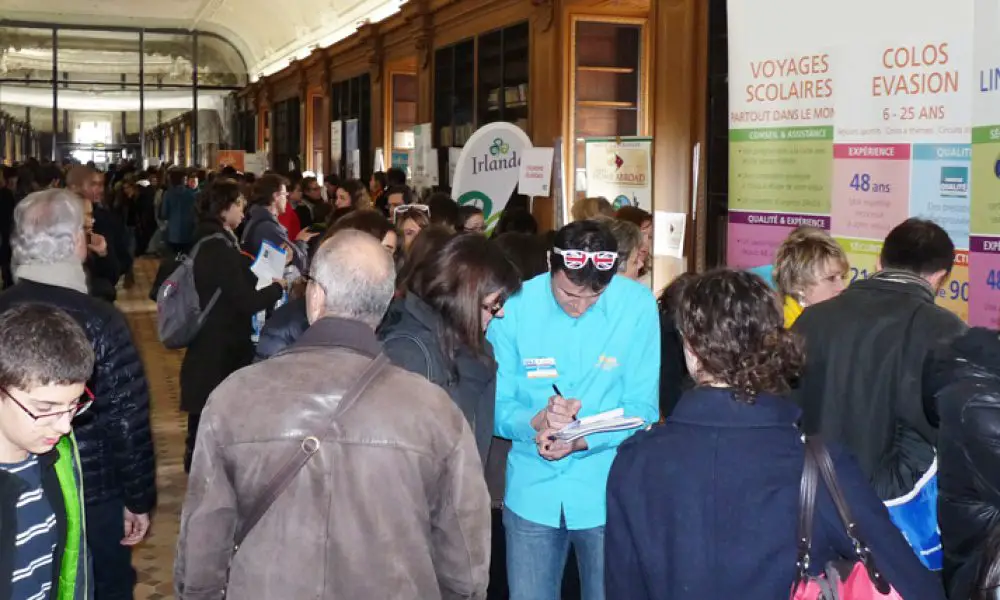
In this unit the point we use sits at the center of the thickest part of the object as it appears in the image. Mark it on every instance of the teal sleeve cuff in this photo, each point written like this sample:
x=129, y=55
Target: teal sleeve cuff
x=515, y=425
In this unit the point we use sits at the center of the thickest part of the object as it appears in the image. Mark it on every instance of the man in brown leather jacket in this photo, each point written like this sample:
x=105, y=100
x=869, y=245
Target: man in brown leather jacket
x=394, y=503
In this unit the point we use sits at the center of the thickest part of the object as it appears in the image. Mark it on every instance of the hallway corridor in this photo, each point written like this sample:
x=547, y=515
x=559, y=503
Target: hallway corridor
x=154, y=558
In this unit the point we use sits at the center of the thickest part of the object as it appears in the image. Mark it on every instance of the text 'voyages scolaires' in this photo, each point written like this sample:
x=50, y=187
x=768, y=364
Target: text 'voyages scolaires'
x=796, y=80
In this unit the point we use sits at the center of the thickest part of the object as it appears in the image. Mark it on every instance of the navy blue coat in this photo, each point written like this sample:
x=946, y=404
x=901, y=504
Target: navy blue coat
x=705, y=506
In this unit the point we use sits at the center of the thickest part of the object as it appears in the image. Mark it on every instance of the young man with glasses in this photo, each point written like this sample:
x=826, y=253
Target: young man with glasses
x=593, y=339
x=116, y=444
x=45, y=359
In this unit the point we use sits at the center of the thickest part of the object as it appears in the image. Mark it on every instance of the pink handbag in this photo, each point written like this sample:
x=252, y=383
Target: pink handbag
x=854, y=578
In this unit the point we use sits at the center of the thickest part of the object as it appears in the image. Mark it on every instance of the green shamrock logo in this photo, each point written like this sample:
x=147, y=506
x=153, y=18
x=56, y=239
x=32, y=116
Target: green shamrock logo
x=499, y=147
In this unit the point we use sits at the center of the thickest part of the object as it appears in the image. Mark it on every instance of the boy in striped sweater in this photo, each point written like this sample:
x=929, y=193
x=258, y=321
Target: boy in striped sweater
x=45, y=360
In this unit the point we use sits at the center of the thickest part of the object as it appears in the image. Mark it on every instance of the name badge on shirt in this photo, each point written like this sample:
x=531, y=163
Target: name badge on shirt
x=540, y=368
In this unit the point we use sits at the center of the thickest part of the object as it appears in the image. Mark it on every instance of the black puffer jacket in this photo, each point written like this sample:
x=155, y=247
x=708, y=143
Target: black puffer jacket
x=116, y=445
x=282, y=329
x=966, y=384
x=866, y=351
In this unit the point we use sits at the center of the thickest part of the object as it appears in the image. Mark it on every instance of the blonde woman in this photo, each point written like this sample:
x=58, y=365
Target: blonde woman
x=809, y=267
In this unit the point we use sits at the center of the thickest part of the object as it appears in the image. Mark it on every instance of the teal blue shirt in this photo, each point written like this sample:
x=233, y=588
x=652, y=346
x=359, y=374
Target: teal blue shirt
x=607, y=358
x=765, y=272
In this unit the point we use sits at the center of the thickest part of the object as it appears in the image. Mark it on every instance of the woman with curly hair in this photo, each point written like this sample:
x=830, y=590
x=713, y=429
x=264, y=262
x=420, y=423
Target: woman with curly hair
x=706, y=505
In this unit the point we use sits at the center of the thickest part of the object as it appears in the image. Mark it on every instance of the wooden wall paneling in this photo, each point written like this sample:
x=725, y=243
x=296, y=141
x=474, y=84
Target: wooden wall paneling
x=597, y=118
x=456, y=21
x=680, y=34
x=545, y=113
x=378, y=107
x=421, y=22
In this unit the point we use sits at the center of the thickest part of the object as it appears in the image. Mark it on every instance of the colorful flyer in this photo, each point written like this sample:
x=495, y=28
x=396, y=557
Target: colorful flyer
x=871, y=183
x=782, y=169
x=940, y=186
x=754, y=236
x=862, y=255
x=895, y=92
x=984, y=281
x=954, y=295
x=621, y=170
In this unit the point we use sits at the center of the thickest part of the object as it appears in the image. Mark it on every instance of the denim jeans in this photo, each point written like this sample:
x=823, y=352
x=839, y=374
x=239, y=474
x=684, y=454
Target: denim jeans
x=536, y=558
x=114, y=577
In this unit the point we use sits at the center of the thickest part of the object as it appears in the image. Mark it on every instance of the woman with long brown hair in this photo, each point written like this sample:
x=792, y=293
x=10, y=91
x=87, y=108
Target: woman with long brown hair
x=438, y=329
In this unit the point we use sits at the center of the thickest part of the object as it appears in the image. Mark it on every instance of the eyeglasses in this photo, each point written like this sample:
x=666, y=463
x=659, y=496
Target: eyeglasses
x=402, y=209
x=603, y=260
x=78, y=408
x=494, y=309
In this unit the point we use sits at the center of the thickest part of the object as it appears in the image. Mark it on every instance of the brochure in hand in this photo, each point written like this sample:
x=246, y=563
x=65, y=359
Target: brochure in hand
x=612, y=420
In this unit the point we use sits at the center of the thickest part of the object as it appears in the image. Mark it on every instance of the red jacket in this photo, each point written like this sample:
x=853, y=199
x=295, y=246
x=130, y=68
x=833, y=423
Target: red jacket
x=290, y=221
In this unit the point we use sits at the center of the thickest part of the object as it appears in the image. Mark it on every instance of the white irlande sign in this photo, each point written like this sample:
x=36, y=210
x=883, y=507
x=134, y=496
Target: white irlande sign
x=489, y=167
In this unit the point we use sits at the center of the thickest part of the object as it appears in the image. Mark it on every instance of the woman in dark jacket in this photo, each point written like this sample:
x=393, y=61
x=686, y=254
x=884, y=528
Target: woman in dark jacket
x=223, y=343
x=437, y=329
x=706, y=505
x=966, y=385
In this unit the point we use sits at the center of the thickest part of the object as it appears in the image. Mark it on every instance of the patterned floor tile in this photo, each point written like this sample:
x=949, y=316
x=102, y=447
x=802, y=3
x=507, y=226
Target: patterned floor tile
x=154, y=558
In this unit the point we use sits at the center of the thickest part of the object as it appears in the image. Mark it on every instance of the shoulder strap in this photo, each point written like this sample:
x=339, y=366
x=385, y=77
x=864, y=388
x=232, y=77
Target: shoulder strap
x=824, y=463
x=248, y=230
x=309, y=446
x=807, y=508
x=862, y=552
x=420, y=344
x=197, y=246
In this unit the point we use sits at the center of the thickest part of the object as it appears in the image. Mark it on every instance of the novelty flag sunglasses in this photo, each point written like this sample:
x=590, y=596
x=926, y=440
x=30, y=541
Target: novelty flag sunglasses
x=603, y=260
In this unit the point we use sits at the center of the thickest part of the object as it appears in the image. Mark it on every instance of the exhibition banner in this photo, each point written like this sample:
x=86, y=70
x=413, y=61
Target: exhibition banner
x=621, y=170
x=231, y=158
x=984, y=239
x=488, y=168
x=860, y=124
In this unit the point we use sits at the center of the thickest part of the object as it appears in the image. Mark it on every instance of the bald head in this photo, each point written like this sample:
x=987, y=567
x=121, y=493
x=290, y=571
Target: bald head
x=353, y=278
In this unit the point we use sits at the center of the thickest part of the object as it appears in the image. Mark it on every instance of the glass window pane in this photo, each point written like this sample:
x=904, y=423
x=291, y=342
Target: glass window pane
x=26, y=56
x=219, y=64
x=167, y=59
x=25, y=93
x=216, y=110
x=98, y=95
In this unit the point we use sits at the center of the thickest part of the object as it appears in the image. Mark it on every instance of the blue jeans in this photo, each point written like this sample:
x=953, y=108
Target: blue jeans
x=114, y=577
x=536, y=558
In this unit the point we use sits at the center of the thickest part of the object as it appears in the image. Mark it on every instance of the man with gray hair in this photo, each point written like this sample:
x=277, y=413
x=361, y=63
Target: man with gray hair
x=333, y=473
x=116, y=446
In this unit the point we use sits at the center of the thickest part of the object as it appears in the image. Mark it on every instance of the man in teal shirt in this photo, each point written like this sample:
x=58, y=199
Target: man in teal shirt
x=593, y=339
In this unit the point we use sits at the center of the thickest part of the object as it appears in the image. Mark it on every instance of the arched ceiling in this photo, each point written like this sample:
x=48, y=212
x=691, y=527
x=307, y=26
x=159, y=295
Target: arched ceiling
x=267, y=33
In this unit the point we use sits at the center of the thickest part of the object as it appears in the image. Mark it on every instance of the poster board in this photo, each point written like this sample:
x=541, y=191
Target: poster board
x=488, y=168
x=231, y=158
x=855, y=126
x=621, y=170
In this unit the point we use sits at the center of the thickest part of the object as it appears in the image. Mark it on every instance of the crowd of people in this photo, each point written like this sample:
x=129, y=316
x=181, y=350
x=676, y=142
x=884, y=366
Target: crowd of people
x=390, y=417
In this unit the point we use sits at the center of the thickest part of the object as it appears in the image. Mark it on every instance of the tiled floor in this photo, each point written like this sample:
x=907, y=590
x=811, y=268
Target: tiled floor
x=154, y=558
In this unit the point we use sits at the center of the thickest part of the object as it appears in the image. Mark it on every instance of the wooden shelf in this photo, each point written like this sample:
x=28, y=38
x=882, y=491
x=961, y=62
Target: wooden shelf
x=606, y=104
x=620, y=70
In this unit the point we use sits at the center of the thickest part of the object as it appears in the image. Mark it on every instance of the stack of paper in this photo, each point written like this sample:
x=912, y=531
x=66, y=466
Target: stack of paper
x=269, y=265
x=612, y=420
